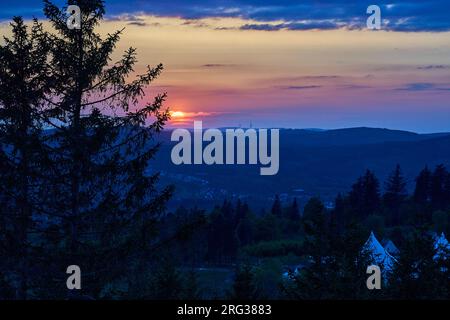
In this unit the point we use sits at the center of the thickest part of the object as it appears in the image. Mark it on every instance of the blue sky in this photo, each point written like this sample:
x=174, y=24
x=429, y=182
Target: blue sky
x=400, y=15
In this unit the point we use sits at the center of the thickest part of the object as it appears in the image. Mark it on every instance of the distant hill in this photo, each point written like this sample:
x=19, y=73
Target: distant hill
x=353, y=136
x=312, y=163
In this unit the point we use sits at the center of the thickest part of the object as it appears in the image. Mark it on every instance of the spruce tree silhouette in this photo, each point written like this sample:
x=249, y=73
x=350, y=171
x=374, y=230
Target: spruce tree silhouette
x=76, y=134
x=23, y=85
x=394, y=196
x=102, y=143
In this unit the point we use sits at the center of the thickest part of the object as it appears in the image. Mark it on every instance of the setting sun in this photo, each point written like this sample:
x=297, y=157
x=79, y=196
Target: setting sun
x=177, y=114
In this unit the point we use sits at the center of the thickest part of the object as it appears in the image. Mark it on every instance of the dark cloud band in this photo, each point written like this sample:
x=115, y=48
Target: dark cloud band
x=398, y=15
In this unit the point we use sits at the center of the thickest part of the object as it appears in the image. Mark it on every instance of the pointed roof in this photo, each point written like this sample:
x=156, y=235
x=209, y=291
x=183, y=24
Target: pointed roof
x=441, y=246
x=391, y=248
x=441, y=241
x=378, y=254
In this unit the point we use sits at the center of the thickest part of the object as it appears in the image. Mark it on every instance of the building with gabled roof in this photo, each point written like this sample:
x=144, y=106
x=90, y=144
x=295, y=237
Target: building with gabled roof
x=378, y=254
x=391, y=248
x=441, y=246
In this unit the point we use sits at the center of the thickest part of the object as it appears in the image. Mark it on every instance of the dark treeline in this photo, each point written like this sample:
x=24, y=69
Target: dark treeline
x=317, y=248
x=394, y=207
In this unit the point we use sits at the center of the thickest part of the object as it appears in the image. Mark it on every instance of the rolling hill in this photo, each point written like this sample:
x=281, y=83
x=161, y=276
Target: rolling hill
x=312, y=163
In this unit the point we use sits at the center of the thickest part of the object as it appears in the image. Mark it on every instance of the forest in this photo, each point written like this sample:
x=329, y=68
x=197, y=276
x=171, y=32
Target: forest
x=286, y=252
x=77, y=139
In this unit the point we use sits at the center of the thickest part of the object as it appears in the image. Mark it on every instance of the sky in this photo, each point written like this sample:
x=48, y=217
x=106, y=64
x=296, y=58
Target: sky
x=283, y=63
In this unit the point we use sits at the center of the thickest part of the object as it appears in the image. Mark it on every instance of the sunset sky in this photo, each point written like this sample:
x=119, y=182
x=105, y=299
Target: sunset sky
x=282, y=64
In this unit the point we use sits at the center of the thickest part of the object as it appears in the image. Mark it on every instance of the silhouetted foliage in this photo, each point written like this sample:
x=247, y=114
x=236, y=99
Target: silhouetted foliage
x=80, y=193
x=422, y=193
x=394, y=196
x=276, y=207
x=365, y=195
x=244, y=287
x=24, y=83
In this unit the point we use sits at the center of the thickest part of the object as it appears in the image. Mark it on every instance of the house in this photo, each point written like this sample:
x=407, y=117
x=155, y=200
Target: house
x=441, y=246
x=378, y=255
x=391, y=248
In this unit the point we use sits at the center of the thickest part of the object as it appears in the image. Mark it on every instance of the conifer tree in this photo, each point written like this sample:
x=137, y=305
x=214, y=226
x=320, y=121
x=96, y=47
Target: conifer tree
x=447, y=191
x=318, y=248
x=340, y=212
x=365, y=196
x=395, y=195
x=244, y=230
x=101, y=143
x=244, y=287
x=23, y=84
x=422, y=192
x=167, y=282
x=216, y=237
x=276, y=207
x=417, y=274
x=294, y=211
x=439, y=180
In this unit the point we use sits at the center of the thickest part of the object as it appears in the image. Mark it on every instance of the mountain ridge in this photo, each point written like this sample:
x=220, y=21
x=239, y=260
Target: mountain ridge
x=311, y=164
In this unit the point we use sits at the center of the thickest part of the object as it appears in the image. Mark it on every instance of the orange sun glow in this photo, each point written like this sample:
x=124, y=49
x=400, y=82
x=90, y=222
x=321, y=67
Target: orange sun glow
x=178, y=114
